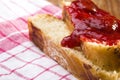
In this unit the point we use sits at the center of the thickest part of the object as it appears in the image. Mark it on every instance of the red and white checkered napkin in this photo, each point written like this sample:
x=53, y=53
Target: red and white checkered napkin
x=20, y=59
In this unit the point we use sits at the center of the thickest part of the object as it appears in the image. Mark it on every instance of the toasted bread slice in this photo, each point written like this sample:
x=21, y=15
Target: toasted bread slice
x=47, y=32
x=103, y=55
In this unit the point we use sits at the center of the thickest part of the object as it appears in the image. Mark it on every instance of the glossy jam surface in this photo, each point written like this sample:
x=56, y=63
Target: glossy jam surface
x=91, y=24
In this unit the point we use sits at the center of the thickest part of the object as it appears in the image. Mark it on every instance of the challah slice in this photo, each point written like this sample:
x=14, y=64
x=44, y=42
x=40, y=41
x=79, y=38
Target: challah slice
x=47, y=32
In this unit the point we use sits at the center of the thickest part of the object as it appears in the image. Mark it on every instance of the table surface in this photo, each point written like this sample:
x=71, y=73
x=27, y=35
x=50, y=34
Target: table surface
x=111, y=6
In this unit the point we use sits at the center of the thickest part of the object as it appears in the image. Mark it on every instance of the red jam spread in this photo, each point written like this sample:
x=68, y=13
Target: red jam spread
x=91, y=24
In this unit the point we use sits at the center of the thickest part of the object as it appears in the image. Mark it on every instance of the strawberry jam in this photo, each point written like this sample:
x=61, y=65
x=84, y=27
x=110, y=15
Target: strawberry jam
x=91, y=24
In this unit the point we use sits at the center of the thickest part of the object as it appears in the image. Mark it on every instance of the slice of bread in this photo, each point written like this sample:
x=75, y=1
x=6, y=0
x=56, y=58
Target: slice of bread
x=47, y=32
x=101, y=54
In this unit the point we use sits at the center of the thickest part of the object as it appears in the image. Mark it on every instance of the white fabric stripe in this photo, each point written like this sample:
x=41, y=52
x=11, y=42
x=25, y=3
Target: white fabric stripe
x=20, y=48
x=40, y=3
x=25, y=5
x=12, y=9
x=5, y=12
x=18, y=32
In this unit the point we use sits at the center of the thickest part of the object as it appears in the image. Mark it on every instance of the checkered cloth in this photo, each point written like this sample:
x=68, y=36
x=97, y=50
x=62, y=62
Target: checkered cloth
x=20, y=59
